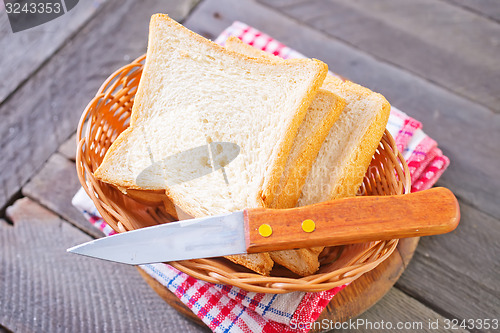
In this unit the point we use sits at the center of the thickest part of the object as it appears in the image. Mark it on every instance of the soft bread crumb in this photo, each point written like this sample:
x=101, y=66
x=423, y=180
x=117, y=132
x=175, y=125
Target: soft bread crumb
x=345, y=151
x=193, y=92
x=322, y=113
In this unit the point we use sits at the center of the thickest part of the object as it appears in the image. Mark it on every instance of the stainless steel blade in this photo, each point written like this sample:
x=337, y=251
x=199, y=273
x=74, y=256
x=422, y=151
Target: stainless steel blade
x=206, y=237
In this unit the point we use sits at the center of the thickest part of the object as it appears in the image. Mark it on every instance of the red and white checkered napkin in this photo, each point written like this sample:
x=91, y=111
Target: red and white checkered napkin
x=230, y=309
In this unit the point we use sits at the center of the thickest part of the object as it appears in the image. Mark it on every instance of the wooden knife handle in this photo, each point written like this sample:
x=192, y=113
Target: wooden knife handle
x=352, y=220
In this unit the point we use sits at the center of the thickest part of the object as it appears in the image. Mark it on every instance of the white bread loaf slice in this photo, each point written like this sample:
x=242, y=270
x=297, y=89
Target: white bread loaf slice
x=193, y=92
x=324, y=110
x=361, y=124
x=344, y=157
x=320, y=117
x=347, y=151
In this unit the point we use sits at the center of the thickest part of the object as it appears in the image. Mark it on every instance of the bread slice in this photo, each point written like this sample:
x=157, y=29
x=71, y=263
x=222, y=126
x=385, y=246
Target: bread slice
x=320, y=117
x=350, y=143
x=193, y=92
x=348, y=149
x=346, y=153
x=324, y=110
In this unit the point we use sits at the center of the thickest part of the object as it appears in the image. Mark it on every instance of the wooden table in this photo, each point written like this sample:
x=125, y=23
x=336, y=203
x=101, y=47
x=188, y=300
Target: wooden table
x=437, y=60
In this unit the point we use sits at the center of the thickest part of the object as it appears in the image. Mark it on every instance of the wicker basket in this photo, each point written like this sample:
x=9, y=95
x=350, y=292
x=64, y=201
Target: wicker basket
x=107, y=115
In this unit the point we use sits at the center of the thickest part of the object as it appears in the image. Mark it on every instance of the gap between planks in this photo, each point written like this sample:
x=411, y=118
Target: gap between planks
x=437, y=41
x=40, y=116
x=51, y=37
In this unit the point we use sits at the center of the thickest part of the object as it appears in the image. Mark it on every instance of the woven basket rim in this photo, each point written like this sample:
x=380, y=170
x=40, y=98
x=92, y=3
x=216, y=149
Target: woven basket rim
x=117, y=90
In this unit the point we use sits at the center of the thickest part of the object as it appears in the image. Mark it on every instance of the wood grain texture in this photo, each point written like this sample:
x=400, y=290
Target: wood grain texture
x=29, y=49
x=458, y=272
x=440, y=42
x=54, y=187
x=45, y=289
x=466, y=132
x=488, y=8
x=353, y=220
x=44, y=112
x=404, y=310
x=68, y=148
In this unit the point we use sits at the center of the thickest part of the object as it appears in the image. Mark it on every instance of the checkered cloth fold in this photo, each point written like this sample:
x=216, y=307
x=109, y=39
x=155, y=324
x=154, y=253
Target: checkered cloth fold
x=226, y=308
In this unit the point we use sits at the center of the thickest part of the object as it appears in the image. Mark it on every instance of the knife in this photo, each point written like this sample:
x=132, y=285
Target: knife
x=337, y=222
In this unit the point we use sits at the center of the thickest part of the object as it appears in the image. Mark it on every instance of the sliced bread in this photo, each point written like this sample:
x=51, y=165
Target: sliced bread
x=193, y=92
x=350, y=144
x=324, y=110
x=344, y=156
x=346, y=153
x=320, y=117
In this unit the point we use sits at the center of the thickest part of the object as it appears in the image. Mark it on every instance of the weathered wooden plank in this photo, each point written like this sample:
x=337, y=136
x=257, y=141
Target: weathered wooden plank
x=29, y=49
x=440, y=42
x=467, y=132
x=44, y=111
x=283, y=3
x=54, y=187
x=45, y=289
x=406, y=315
x=458, y=272
x=68, y=148
x=488, y=8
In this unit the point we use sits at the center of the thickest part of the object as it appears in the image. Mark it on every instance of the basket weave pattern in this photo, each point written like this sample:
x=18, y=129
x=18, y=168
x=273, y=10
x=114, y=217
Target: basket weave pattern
x=108, y=114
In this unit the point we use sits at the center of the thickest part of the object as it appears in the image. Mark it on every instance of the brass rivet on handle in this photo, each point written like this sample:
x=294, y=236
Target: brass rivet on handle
x=265, y=230
x=308, y=225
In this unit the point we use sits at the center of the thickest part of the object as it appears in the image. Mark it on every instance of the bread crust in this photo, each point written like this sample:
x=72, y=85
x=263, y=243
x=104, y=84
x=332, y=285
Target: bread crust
x=298, y=163
x=351, y=178
x=301, y=261
x=278, y=163
x=295, y=176
x=278, y=158
x=353, y=172
x=106, y=172
x=296, y=168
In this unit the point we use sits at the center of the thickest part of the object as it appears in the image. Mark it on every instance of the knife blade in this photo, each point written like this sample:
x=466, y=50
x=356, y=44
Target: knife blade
x=338, y=222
